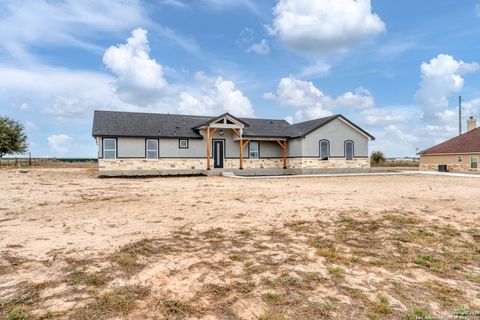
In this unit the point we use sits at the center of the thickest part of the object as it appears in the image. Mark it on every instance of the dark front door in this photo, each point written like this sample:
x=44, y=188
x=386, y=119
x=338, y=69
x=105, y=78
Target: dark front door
x=218, y=150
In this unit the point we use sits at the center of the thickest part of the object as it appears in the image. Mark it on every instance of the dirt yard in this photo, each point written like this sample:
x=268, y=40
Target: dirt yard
x=382, y=247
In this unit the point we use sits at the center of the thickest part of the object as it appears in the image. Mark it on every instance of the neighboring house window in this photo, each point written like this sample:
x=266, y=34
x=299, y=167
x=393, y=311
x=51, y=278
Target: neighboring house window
x=109, y=148
x=460, y=159
x=324, y=149
x=253, y=150
x=152, y=149
x=349, y=150
x=474, y=162
x=183, y=143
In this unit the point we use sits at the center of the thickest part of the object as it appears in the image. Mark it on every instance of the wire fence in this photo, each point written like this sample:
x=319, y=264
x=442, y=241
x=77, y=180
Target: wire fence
x=32, y=162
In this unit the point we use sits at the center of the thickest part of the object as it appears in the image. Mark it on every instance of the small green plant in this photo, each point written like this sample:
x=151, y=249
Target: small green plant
x=236, y=257
x=336, y=271
x=383, y=306
x=18, y=313
x=273, y=297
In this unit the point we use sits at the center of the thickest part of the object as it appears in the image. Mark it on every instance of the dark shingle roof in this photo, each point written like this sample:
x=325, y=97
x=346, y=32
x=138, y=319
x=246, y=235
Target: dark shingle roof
x=135, y=124
x=301, y=129
x=464, y=143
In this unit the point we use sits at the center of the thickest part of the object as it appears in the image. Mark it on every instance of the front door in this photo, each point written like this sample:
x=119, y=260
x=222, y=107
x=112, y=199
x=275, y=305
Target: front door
x=218, y=150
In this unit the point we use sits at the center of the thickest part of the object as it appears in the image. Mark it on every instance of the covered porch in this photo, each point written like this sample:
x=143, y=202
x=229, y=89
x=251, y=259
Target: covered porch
x=215, y=148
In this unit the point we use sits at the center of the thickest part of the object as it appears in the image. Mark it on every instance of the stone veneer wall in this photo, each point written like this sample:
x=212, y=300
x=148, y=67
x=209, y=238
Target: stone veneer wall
x=201, y=164
x=143, y=164
x=332, y=163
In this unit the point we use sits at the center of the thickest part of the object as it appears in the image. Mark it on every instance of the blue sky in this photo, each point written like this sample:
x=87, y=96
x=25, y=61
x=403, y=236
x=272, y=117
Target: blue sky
x=394, y=67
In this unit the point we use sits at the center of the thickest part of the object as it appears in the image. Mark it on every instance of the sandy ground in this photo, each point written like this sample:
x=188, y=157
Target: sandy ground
x=382, y=247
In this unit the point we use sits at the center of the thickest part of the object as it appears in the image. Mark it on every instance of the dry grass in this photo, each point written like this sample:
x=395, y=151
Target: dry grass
x=389, y=261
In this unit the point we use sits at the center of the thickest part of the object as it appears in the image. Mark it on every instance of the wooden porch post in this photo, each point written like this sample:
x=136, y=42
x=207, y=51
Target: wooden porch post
x=284, y=148
x=208, y=148
x=241, y=154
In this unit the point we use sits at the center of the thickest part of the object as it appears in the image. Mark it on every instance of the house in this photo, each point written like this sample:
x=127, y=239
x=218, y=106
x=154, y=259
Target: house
x=131, y=143
x=457, y=154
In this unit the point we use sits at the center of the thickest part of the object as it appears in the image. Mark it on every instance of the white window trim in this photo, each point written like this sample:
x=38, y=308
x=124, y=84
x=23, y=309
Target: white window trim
x=147, y=150
x=180, y=143
x=114, y=149
x=258, y=150
x=471, y=162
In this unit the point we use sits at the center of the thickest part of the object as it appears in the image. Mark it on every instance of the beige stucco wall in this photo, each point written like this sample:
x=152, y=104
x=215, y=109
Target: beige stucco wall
x=431, y=162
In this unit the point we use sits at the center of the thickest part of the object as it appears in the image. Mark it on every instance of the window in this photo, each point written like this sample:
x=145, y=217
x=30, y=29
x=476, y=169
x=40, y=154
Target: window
x=183, y=143
x=474, y=162
x=253, y=150
x=460, y=159
x=152, y=149
x=324, y=149
x=109, y=148
x=349, y=150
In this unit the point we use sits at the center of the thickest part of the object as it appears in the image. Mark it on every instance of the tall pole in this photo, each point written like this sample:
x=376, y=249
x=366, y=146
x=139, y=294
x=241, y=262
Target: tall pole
x=459, y=115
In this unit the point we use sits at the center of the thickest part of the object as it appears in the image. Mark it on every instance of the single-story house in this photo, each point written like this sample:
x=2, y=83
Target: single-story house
x=131, y=143
x=457, y=154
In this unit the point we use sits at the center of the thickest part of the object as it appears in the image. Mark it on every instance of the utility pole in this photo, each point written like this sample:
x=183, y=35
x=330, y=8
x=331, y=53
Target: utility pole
x=459, y=115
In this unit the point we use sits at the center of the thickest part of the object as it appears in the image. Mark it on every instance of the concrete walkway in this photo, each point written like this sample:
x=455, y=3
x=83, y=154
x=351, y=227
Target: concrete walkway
x=406, y=172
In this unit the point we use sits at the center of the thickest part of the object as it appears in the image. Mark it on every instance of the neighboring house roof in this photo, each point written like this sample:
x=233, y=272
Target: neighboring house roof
x=135, y=124
x=464, y=143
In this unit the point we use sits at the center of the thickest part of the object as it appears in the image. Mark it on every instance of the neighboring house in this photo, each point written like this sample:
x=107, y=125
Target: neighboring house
x=457, y=154
x=131, y=143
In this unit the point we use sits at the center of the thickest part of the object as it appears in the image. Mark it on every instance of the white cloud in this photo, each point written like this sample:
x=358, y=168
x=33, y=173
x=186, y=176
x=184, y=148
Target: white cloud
x=260, y=48
x=324, y=26
x=64, y=23
x=139, y=76
x=59, y=144
x=312, y=103
x=441, y=77
x=60, y=92
x=215, y=96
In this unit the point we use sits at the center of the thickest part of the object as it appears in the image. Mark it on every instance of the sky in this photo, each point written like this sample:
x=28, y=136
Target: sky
x=396, y=68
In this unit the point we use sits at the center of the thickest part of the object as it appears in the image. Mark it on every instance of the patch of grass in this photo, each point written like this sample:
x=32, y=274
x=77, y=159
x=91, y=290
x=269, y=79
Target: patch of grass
x=80, y=277
x=272, y=297
x=176, y=307
x=18, y=313
x=127, y=260
x=383, y=306
x=418, y=313
x=473, y=277
x=245, y=232
x=236, y=257
x=347, y=220
x=271, y=316
x=299, y=225
x=118, y=302
x=336, y=271
x=428, y=262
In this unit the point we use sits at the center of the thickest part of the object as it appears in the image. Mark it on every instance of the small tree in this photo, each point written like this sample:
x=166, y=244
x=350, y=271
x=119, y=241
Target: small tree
x=377, y=157
x=12, y=137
